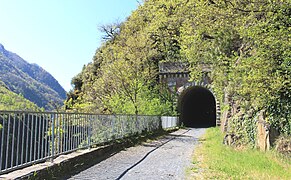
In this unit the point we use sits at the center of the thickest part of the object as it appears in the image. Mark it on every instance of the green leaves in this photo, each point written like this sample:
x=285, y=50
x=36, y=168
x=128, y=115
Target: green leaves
x=12, y=101
x=245, y=44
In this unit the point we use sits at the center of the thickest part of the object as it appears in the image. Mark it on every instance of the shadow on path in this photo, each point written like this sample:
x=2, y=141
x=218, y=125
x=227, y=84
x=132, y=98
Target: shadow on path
x=157, y=147
x=81, y=163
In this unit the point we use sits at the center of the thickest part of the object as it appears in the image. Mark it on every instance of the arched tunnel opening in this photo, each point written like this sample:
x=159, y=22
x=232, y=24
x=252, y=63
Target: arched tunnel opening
x=197, y=108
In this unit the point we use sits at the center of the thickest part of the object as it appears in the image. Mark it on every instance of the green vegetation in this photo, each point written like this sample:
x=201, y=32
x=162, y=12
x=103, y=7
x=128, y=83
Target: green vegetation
x=218, y=161
x=245, y=44
x=11, y=101
x=124, y=69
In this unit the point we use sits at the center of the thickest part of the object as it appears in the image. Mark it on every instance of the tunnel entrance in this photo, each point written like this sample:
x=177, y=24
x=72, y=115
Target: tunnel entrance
x=197, y=108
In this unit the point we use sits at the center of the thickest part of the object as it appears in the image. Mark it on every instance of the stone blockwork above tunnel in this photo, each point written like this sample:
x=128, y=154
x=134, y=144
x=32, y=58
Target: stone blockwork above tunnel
x=176, y=76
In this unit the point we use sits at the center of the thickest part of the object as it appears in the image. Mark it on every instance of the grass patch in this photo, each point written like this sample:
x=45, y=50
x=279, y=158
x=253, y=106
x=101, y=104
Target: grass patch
x=218, y=161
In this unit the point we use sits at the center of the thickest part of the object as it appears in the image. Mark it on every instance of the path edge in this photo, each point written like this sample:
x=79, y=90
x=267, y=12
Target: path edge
x=67, y=165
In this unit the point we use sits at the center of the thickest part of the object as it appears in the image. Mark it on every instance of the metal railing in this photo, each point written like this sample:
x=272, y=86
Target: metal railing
x=27, y=138
x=169, y=122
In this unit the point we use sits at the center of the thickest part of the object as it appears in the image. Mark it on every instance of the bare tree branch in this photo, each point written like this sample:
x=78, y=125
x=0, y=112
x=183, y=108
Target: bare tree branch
x=110, y=31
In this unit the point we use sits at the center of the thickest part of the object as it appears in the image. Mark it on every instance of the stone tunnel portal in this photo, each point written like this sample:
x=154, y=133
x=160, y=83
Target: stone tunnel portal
x=197, y=107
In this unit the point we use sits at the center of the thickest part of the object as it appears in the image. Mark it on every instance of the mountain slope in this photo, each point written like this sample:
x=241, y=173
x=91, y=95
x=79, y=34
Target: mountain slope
x=149, y=36
x=12, y=101
x=246, y=44
x=30, y=80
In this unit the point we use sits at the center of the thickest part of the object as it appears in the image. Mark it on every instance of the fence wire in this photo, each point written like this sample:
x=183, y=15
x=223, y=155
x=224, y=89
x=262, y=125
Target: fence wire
x=27, y=138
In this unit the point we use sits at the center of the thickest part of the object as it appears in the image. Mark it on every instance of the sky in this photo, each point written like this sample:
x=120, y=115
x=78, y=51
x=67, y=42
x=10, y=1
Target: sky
x=59, y=35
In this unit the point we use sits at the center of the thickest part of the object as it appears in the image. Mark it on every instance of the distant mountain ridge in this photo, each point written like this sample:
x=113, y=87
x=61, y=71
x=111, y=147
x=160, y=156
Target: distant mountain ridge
x=30, y=80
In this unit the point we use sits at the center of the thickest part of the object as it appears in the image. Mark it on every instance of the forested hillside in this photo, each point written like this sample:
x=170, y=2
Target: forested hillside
x=12, y=101
x=246, y=44
x=30, y=80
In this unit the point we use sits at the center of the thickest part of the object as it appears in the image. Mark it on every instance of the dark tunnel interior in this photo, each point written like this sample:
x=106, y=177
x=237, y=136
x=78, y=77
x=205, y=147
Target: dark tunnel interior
x=197, y=108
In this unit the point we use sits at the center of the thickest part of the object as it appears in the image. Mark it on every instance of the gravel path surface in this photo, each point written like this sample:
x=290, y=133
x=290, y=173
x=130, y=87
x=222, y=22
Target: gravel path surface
x=165, y=158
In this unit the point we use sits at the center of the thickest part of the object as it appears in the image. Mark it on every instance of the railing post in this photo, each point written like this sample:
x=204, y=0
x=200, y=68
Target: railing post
x=90, y=132
x=53, y=139
x=2, y=142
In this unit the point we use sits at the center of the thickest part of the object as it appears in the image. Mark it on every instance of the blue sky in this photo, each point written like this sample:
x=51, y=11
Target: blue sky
x=59, y=35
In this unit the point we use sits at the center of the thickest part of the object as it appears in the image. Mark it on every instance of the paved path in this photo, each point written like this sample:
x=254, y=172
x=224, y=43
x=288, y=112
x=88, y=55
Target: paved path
x=165, y=158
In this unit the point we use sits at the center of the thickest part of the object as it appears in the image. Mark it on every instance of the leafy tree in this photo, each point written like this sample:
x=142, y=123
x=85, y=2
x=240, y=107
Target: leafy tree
x=246, y=44
x=11, y=101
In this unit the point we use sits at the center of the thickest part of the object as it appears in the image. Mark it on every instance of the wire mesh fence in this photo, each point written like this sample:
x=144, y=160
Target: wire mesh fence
x=30, y=137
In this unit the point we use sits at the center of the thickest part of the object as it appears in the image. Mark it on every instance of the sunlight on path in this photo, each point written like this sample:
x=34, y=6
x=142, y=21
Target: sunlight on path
x=165, y=158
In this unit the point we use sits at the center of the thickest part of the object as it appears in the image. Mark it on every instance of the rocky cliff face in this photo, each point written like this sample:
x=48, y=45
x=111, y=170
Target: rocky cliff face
x=30, y=80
